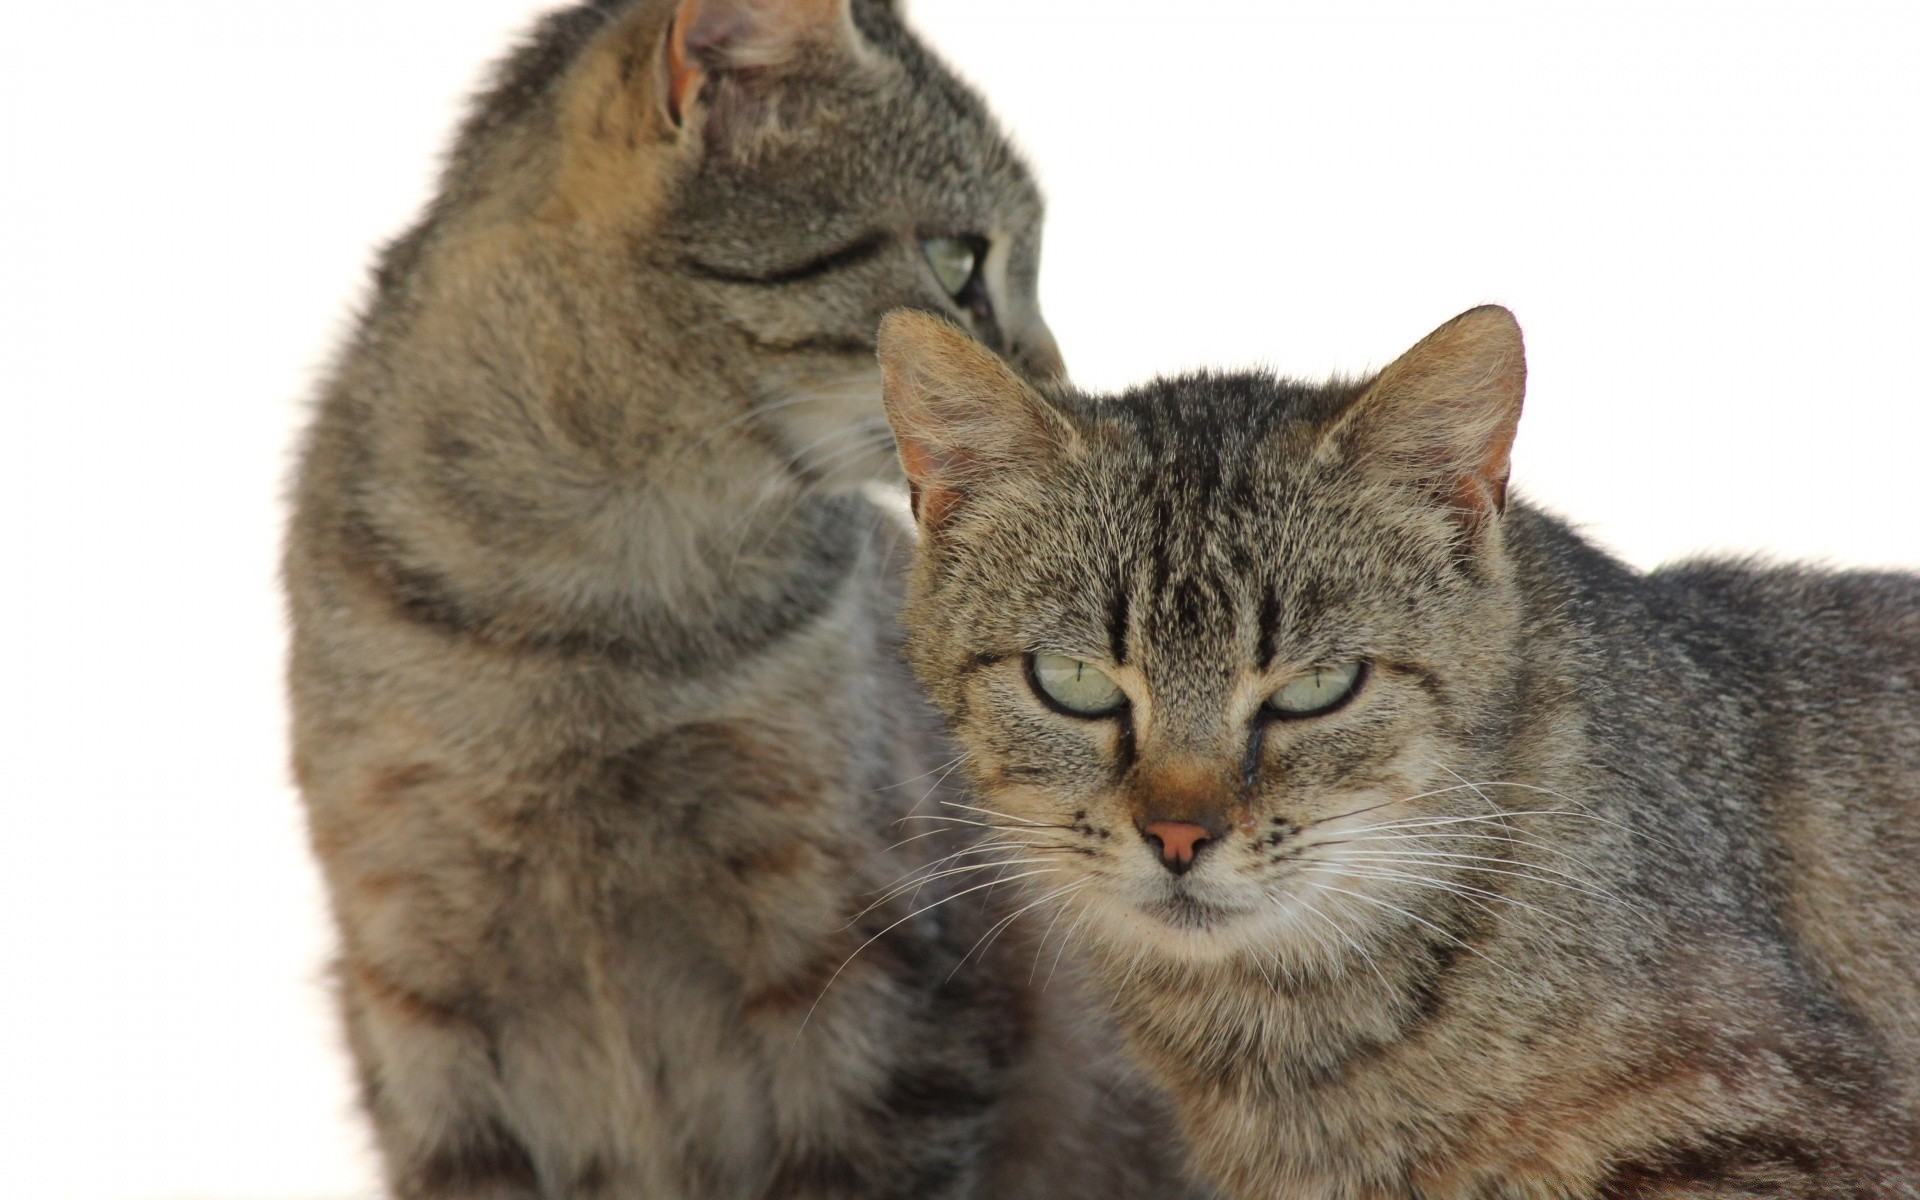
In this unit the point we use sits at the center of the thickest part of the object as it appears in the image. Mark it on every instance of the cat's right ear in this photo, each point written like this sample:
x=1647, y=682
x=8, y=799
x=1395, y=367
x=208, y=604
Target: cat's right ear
x=1441, y=419
x=960, y=416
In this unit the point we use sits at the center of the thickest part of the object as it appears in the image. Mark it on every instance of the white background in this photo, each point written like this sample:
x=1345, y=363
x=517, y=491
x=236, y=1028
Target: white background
x=1705, y=217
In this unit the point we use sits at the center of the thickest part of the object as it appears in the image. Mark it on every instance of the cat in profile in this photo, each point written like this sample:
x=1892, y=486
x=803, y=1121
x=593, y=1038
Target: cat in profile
x=1422, y=848
x=598, y=711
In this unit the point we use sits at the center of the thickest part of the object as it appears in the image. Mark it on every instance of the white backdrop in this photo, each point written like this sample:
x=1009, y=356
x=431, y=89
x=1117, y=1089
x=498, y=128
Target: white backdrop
x=1704, y=216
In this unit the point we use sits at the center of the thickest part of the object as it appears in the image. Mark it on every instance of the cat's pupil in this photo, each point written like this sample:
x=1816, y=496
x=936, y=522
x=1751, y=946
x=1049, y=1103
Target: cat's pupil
x=1074, y=686
x=1320, y=692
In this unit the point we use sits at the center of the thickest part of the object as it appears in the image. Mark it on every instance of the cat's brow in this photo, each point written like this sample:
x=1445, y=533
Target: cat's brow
x=852, y=254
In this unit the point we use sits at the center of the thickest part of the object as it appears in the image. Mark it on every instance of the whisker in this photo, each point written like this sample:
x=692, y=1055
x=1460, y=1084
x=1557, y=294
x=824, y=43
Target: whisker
x=865, y=435
x=1307, y=905
x=921, y=876
x=1454, y=938
x=1041, y=947
x=759, y=409
x=978, y=824
x=907, y=841
x=991, y=846
x=992, y=812
x=911, y=883
x=1551, y=877
x=1065, y=939
x=1007, y=921
x=939, y=781
x=1465, y=891
x=918, y=912
x=1584, y=810
x=1492, y=818
x=1454, y=837
x=940, y=770
x=1355, y=812
x=921, y=873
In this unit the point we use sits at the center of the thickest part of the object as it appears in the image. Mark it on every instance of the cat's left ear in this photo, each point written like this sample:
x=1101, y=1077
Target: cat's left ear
x=961, y=418
x=699, y=71
x=1442, y=417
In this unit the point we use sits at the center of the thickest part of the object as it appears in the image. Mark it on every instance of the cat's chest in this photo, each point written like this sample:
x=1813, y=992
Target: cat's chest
x=1339, y=1100
x=1391, y=1122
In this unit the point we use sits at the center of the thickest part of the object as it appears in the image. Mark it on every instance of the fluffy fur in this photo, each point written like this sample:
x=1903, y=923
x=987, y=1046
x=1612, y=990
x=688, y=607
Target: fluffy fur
x=598, y=714
x=1599, y=884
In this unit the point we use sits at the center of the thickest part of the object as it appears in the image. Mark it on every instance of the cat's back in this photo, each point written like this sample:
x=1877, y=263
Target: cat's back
x=1824, y=668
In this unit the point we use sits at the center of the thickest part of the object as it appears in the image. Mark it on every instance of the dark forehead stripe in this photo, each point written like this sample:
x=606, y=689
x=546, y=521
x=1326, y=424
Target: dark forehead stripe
x=1267, y=629
x=1190, y=485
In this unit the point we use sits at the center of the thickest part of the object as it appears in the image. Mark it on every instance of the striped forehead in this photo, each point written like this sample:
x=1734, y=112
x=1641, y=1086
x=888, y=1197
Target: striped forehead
x=1190, y=494
x=1189, y=588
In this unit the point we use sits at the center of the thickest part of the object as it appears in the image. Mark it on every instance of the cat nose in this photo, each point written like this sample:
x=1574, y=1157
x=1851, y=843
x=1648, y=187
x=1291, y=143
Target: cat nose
x=1179, y=842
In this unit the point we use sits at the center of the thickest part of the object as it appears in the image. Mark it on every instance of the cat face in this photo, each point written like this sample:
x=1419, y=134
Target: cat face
x=1225, y=653
x=783, y=173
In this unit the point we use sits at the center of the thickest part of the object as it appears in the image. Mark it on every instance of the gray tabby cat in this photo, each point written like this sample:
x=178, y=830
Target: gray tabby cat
x=598, y=712
x=1425, y=850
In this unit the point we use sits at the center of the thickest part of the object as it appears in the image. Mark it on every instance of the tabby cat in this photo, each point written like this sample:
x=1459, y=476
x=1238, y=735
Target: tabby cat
x=1424, y=849
x=598, y=709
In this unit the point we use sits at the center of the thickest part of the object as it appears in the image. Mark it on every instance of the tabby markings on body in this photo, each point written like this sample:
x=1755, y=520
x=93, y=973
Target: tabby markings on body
x=1425, y=850
x=598, y=711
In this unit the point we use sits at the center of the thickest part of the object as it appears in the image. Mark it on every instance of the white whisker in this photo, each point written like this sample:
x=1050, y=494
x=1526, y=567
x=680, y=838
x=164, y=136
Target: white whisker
x=1006, y=922
x=918, y=912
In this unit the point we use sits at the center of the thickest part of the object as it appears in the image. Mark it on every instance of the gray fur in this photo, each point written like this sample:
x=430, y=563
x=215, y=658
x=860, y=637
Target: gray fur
x=1602, y=885
x=597, y=707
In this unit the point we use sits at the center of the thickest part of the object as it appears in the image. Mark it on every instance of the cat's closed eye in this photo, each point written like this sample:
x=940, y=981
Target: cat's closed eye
x=1074, y=687
x=1317, y=692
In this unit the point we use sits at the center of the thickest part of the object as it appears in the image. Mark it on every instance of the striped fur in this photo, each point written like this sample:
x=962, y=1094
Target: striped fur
x=599, y=714
x=1600, y=885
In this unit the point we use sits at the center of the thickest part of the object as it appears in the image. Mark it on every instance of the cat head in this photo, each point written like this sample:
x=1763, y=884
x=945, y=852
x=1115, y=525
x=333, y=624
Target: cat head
x=752, y=184
x=1225, y=652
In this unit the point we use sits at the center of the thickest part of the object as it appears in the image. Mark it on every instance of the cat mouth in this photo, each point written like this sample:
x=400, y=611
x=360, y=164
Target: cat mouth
x=1182, y=911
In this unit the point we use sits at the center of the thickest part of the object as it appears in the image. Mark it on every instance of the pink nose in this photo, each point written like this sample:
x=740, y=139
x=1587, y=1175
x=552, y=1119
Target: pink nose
x=1179, y=841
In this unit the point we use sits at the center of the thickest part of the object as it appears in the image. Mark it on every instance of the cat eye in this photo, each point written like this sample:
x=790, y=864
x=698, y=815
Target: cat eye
x=953, y=261
x=1318, y=692
x=1074, y=687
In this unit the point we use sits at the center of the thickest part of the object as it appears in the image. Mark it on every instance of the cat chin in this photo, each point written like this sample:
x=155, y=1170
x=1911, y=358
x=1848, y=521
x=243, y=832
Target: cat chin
x=1212, y=935
x=1189, y=931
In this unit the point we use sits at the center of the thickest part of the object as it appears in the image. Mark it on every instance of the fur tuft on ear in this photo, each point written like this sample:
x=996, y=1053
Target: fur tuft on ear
x=960, y=416
x=1442, y=417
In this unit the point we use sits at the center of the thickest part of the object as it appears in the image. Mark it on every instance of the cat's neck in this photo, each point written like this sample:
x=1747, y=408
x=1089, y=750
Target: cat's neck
x=1252, y=1021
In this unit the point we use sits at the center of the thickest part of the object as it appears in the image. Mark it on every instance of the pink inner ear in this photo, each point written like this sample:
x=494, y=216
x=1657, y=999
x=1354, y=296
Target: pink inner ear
x=916, y=460
x=932, y=498
x=709, y=36
x=683, y=78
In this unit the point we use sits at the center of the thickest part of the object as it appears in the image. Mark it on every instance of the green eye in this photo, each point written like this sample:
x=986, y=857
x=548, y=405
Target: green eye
x=1074, y=686
x=1320, y=690
x=952, y=260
